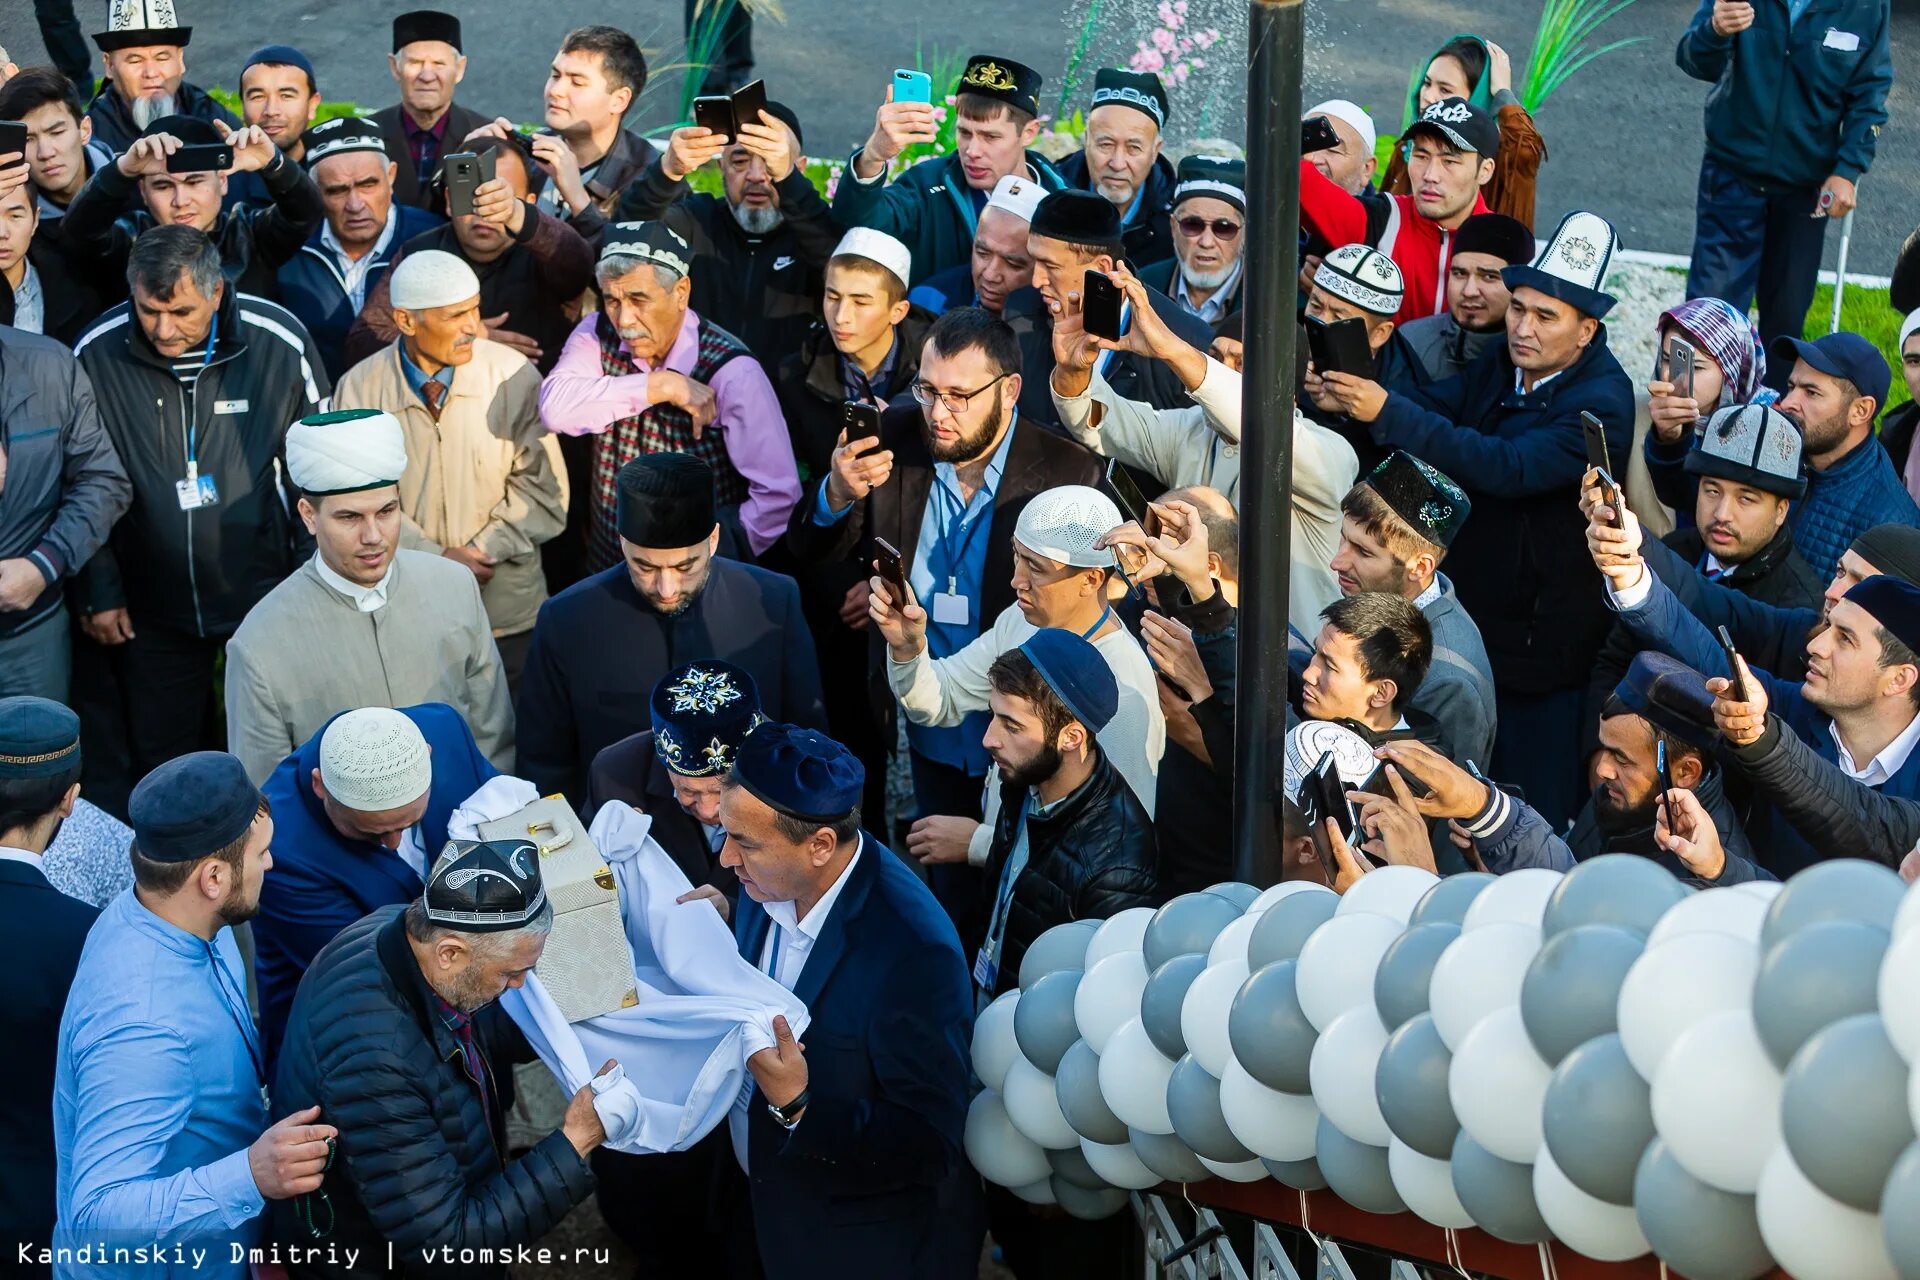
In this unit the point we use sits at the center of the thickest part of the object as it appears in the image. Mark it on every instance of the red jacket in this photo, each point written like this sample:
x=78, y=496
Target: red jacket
x=1419, y=246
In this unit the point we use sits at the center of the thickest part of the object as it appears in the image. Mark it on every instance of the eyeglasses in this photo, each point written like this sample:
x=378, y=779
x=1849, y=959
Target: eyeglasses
x=1194, y=228
x=954, y=401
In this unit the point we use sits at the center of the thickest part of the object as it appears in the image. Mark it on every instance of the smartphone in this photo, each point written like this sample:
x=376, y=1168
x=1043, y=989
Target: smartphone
x=860, y=419
x=1666, y=778
x=203, y=157
x=1132, y=503
x=749, y=100
x=891, y=570
x=1103, y=307
x=1329, y=800
x=1316, y=134
x=1597, y=455
x=466, y=172
x=714, y=114
x=13, y=137
x=1340, y=346
x=1740, y=690
x=912, y=86
x=1610, y=494
x=1680, y=367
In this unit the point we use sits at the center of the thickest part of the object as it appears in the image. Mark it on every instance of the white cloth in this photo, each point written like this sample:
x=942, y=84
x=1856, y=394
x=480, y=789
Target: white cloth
x=10, y=854
x=432, y=278
x=365, y=599
x=1883, y=766
x=703, y=1010
x=343, y=454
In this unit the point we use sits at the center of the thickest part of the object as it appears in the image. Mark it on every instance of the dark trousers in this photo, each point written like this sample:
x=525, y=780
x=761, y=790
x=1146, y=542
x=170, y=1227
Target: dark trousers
x=1757, y=245
x=513, y=659
x=730, y=63
x=141, y=704
x=66, y=47
x=1538, y=750
x=1046, y=1244
x=942, y=789
x=38, y=660
x=663, y=1207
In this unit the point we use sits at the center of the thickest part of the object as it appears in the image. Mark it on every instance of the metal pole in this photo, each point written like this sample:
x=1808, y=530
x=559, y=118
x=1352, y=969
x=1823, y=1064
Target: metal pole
x=1840, y=269
x=1274, y=45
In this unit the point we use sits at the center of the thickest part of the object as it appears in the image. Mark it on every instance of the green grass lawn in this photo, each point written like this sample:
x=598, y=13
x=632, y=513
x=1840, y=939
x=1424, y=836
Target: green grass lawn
x=1867, y=313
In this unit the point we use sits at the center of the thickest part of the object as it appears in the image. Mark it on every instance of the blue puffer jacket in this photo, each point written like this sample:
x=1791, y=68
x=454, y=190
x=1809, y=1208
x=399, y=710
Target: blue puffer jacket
x=1853, y=495
x=311, y=288
x=1794, y=102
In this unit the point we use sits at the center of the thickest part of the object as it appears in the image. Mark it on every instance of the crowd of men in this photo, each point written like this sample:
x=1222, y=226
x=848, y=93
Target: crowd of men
x=346, y=467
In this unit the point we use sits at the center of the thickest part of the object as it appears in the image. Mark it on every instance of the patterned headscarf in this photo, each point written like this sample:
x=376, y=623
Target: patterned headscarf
x=1725, y=334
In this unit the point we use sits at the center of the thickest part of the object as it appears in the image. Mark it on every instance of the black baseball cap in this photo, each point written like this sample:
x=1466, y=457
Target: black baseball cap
x=1464, y=126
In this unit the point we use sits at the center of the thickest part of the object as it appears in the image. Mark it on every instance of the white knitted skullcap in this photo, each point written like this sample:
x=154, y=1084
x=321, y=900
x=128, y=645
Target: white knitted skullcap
x=1063, y=524
x=1907, y=329
x=878, y=246
x=1018, y=194
x=374, y=759
x=432, y=278
x=1351, y=113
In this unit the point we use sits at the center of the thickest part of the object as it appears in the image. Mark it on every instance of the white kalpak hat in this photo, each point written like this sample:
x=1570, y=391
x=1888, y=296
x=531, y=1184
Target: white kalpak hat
x=345, y=451
x=432, y=278
x=1018, y=195
x=1353, y=114
x=1063, y=524
x=374, y=759
x=878, y=246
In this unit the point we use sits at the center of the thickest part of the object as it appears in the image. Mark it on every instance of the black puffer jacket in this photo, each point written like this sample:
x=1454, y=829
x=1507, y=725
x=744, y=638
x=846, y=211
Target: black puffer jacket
x=419, y=1160
x=1091, y=858
x=1836, y=815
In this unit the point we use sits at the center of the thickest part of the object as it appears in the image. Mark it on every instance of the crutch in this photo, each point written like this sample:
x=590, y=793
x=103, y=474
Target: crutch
x=1840, y=269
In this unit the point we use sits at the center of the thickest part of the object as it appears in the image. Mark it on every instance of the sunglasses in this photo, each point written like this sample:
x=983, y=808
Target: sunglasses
x=1194, y=228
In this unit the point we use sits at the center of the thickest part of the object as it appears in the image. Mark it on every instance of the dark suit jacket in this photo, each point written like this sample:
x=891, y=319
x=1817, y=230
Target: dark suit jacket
x=628, y=772
x=891, y=1006
x=1036, y=460
x=48, y=929
x=406, y=184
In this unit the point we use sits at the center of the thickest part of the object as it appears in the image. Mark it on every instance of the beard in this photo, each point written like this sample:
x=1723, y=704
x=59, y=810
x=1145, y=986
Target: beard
x=1614, y=821
x=468, y=995
x=237, y=909
x=1824, y=436
x=969, y=447
x=757, y=220
x=1207, y=279
x=680, y=606
x=146, y=110
x=1031, y=773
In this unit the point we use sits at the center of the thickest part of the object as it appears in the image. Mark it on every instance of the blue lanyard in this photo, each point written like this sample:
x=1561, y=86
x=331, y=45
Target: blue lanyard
x=773, y=952
x=193, y=420
x=967, y=529
x=1098, y=623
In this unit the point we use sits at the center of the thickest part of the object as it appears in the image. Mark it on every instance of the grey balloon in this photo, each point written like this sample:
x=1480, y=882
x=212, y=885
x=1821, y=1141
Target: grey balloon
x=1071, y=1164
x=1241, y=895
x=1818, y=975
x=1167, y=1156
x=1497, y=1193
x=1091, y=1205
x=1621, y=889
x=1356, y=1172
x=1043, y=1023
x=1843, y=1110
x=1301, y=1175
x=1411, y=1085
x=1284, y=927
x=1571, y=992
x=1406, y=970
x=1062, y=947
x=1193, y=1104
x=1160, y=1002
x=1270, y=1035
x=1837, y=889
x=1900, y=1212
x=1700, y=1231
x=1598, y=1118
x=1077, y=1086
x=1187, y=924
x=1448, y=901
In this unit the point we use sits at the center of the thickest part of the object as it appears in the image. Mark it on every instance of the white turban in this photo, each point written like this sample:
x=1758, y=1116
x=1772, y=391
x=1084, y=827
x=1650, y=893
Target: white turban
x=432, y=278
x=374, y=759
x=345, y=451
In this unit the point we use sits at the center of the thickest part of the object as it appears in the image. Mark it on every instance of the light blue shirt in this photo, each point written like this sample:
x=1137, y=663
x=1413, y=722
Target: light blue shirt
x=156, y=1098
x=417, y=378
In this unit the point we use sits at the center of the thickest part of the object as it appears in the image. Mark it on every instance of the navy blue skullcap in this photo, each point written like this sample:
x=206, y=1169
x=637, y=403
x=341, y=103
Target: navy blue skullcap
x=701, y=713
x=1671, y=695
x=280, y=55
x=39, y=738
x=191, y=130
x=1893, y=603
x=191, y=806
x=1076, y=673
x=799, y=772
x=1839, y=355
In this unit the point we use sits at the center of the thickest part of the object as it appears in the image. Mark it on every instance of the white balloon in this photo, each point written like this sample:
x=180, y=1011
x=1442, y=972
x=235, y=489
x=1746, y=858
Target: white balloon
x=1126, y=931
x=1584, y=1223
x=1109, y=994
x=1497, y=1083
x=1391, y=891
x=1716, y=1101
x=1204, y=1013
x=1727, y=911
x=1133, y=1079
x=1913, y=1099
x=1279, y=1126
x=1118, y=1165
x=1035, y=1109
x=1518, y=897
x=1900, y=988
x=1676, y=984
x=1232, y=942
x=1765, y=890
x=1341, y=1071
x=1336, y=966
x=1905, y=920
x=1240, y=1171
x=1809, y=1233
x=1426, y=1185
x=1286, y=888
x=1000, y=1152
x=1478, y=973
x=994, y=1048
x=1040, y=1192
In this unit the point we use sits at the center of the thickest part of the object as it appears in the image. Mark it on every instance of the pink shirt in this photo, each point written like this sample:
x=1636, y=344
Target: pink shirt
x=577, y=399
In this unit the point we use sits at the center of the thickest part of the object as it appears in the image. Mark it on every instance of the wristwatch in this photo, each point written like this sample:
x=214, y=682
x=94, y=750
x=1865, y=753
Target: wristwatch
x=789, y=1115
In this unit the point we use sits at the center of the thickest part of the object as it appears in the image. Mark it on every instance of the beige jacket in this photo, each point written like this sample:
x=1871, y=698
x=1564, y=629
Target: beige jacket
x=487, y=475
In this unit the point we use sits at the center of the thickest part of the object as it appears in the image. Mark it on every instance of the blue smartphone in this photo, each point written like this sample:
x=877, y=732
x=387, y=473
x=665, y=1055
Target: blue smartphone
x=912, y=86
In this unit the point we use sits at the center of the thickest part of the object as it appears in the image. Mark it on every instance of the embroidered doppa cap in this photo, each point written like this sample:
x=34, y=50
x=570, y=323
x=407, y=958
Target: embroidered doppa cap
x=1140, y=90
x=133, y=24
x=665, y=500
x=1076, y=673
x=1431, y=504
x=702, y=711
x=346, y=451
x=374, y=759
x=878, y=246
x=1573, y=266
x=39, y=738
x=1670, y=695
x=799, y=772
x=1353, y=115
x=486, y=886
x=338, y=136
x=191, y=806
x=432, y=278
x=1003, y=79
x=1750, y=444
x=654, y=242
x=1221, y=177
x=1020, y=196
x=1311, y=739
x=1063, y=523
x=426, y=24
x=1363, y=276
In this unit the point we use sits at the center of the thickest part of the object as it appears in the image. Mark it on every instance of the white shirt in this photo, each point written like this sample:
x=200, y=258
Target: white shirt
x=354, y=271
x=1886, y=764
x=1427, y=597
x=365, y=599
x=10, y=854
x=413, y=853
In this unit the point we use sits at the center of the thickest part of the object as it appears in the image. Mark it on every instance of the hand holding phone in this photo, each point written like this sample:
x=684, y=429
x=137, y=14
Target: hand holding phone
x=1340, y=346
x=912, y=86
x=1317, y=134
x=1680, y=367
x=1666, y=780
x=892, y=572
x=1103, y=307
x=714, y=113
x=1738, y=686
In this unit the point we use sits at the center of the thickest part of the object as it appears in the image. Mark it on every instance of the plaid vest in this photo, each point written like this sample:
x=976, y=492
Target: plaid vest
x=663, y=428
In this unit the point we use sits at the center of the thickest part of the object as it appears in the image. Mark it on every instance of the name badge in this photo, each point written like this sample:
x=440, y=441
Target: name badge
x=984, y=970
x=195, y=492
x=229, y=406
x=1844, y=41
x=949, y=609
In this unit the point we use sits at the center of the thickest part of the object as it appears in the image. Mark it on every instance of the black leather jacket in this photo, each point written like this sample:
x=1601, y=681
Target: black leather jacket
x=1092, y=857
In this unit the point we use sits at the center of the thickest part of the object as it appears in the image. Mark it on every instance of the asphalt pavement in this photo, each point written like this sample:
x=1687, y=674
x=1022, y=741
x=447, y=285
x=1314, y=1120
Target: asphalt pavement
x=1623, y=135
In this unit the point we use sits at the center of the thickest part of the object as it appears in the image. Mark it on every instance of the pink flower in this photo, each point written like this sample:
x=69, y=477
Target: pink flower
x=1180, y=7
x=833, y=182
x=1167, y=14
x=1180, y=74
x=1163, y=40
x=1147, y=60
x=939, y=116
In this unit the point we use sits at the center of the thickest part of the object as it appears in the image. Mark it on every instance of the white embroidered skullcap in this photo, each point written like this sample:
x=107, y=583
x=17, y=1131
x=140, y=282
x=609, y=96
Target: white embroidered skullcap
x=878, y=246
x=1310, y=740
x=1063, y=524
x=345, y=451
x=374, y=759
x=1353, y=114
x=432, y=278
x=1018, y=195
x=1363, y=276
